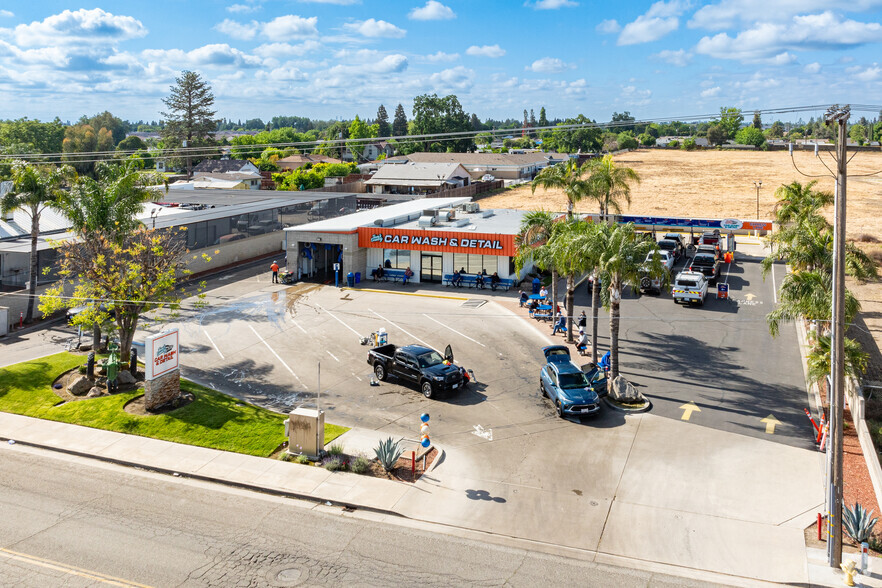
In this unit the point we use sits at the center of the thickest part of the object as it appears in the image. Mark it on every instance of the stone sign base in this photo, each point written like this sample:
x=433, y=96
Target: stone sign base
x=162, y=390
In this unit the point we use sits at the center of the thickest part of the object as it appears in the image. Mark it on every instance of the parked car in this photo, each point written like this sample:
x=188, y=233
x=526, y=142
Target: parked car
x=568, y=387
x=667, y=258
x=690, y=287
x=649, y=282
x=711, y=238
x=672, y=246
x=709, y=249
x=416, y=364
x=676, y=237
x=707, y=264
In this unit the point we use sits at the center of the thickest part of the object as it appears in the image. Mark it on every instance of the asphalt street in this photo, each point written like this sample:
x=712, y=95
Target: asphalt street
x=67, y=521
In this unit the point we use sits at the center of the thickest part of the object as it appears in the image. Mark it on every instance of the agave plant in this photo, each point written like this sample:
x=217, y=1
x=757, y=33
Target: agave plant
x=858, y=523
x=388, y=452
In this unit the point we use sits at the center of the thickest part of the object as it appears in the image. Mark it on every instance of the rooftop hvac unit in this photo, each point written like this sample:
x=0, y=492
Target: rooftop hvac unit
x=487, y=213
x=461, y=222
x=430, y=212
x=427, y=221
x=471, y=207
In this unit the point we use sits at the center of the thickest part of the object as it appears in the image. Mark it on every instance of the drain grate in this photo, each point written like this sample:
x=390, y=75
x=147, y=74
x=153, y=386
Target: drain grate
x=475, y=303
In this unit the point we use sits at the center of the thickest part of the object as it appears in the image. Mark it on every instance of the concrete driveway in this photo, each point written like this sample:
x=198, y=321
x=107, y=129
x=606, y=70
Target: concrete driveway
x=713, y=492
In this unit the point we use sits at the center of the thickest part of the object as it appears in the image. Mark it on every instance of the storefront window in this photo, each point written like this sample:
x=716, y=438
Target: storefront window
x=474, y=264
x=397, y=258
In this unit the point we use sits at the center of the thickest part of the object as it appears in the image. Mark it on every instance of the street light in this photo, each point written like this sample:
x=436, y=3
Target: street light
x=757, y=185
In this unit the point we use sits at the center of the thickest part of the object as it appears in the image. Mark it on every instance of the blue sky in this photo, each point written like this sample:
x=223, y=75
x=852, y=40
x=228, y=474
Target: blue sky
x=339, y=58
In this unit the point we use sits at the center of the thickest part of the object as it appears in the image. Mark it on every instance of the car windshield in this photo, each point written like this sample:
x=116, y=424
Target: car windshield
x=574, y=380
x=686, y=283
x=429, y=359
x=703, y=260
x=666, y=244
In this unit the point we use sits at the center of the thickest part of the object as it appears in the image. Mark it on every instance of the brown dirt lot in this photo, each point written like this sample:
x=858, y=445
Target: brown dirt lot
x=715, y=184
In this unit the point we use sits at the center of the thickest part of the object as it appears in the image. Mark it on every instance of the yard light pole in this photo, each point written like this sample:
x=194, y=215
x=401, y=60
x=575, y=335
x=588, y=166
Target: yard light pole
x=757, y=185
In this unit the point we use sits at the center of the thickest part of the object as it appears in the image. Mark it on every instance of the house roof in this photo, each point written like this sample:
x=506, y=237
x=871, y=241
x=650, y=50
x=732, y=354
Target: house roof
x=237, y=176
x=482, y=159
x=434, y=173
x=221, y=165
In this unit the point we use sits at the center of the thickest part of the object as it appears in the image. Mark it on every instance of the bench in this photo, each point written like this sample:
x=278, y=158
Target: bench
x=396, y=275
x=538, y=316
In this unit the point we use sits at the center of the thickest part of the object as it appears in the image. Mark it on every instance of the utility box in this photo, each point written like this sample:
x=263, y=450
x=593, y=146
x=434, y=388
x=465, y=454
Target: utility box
x=306, y=432
x=4, y=321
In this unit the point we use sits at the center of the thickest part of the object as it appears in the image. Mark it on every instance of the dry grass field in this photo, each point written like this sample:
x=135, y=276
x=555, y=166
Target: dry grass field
x=715, y=184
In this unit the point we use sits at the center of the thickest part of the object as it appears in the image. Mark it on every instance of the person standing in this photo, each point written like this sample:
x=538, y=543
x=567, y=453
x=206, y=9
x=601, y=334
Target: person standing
x=583, y=320
x=275, y=269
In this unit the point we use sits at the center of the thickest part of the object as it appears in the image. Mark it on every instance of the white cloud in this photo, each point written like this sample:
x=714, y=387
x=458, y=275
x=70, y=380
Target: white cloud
x=282, y=28
x=634, y=97
x=812, y=68
x=870, y=74
x=711, y=92
x=441, y=56
x=728, y=14
x=680, y=57
x=376, y=28
x=394, y=63
x=242, y=8
x=548, y=65
x=576, y=87
x=433, y=10
x=493, y=51
x=608, y=27
x=769, y=41
x=280, y=51
x=658, y=21
x=281, y=74
x=458, y=78
x=6, y=14
x=554, y=4
x=337, y=2
x=218, y=55
x=82, y=26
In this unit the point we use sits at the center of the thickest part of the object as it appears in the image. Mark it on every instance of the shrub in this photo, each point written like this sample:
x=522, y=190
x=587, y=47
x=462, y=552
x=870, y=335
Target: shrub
x=302, y=459
x=360, y=465
x=688, y=144
x=82, y=369
x=388, y=452
x=335, y=449
x=858, y=523
x=333, y=464
x=675, y=144
x=867, y=238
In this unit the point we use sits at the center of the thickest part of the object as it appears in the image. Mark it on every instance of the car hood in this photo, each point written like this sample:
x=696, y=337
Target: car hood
x=581, y=395
x=442, y=370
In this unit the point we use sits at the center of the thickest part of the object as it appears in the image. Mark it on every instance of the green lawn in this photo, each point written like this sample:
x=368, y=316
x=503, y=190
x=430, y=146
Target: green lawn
x=213, y=420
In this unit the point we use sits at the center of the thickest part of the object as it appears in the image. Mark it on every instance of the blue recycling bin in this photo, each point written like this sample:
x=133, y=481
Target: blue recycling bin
x=350, y=279
x=357, y=277
x=537, y=285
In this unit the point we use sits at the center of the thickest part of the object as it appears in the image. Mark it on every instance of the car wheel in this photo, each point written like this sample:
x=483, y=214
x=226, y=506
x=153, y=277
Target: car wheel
x=701, y=302
x=559, y=409
x=542, y=389
x=427, y=388
x=380, y=371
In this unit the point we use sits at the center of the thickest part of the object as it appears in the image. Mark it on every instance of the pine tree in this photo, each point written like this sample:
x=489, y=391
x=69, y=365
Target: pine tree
x=399, y=125
x=526, y=124
x=383, y=128
x=757, y=120
x=532, y=118
x=476, y=124
x=191, y=117
x=543, y=121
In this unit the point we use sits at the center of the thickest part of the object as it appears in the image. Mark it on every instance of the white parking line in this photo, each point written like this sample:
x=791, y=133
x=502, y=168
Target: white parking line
x=338, y=320
x=454, y=330
x=356, y=377
x=282, y=361
x=332, y=355
x=296, y=324
x=213, y=343
x=400, y=328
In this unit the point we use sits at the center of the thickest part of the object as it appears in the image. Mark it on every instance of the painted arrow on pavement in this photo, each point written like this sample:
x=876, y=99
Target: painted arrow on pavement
x=750, y=296
x=770, y=421
x=688, y=409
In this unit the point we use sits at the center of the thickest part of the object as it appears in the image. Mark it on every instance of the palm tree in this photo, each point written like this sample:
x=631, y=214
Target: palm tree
x=808, y=295
x=608, y=184
x=33, y=189
x=592, y=249
x=566, y=250
x=818, y=359
x=797, y=202
x=621, y=262
x=564, y=176
x=536, y=227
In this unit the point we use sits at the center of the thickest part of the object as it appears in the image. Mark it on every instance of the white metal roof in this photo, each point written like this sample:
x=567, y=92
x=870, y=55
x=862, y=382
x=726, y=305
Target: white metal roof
x=366, y=218
x=435, y=173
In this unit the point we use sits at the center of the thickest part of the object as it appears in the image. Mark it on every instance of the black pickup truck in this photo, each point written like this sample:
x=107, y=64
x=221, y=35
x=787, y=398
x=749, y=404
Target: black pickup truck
x=707, y=264
x=417, y=364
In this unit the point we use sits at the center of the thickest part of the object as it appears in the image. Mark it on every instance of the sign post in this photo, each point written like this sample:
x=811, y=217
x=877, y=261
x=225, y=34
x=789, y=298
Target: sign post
x=336, y=275
x=162, y=376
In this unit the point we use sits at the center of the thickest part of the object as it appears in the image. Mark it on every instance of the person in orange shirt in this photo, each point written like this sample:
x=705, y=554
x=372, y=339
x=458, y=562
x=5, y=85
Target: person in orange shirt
x=275, y=269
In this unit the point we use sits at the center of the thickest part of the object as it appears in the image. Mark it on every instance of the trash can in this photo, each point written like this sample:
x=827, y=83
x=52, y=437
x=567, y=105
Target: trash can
x=357, y=277
x=537, y=285
x=350, y=279
x=723, y=291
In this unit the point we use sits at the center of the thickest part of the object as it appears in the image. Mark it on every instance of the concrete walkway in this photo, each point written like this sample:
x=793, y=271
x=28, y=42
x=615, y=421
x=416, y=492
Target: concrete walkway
x=704, y=541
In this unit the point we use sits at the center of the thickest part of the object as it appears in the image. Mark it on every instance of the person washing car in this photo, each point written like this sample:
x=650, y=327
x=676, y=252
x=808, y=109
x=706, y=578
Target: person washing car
x=275, y=269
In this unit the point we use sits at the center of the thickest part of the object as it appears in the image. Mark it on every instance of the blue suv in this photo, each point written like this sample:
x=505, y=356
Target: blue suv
x=572, y=391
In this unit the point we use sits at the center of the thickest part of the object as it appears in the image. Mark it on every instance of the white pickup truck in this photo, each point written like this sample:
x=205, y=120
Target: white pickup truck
x=690, y=287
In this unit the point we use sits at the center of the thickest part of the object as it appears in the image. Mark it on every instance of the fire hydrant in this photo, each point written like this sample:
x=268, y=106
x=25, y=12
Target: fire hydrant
x=849, y=569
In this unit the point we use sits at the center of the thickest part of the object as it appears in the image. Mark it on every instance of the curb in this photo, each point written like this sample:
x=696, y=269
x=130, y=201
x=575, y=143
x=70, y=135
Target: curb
x=404, y=293
x=241, y=485
x=646, y=408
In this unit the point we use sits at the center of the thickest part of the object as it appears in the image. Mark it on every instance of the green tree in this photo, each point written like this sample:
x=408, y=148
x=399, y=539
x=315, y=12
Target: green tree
x=358, y=129
x=191, y=116
x=819, y=364
x=543, y=119
x=83, y=145
x=621, y=263
x=584, y=139
x=484, y=139
x=531, y=242
x=858, y=133
x=757, y=120
x=31, y=136
x=626, y=140
x=624, y=121
x=105, y=120
x=750, y=136
x=731, y=120
x=609, y=184
x=716, y=134
x=434, y=115
x=646, y=139
x=384, y=129
x=34, y=189
x=776, y=131
x=565, y=176
x=399, y=124
x=877, y=131
x=569, y=251
x=133, y=143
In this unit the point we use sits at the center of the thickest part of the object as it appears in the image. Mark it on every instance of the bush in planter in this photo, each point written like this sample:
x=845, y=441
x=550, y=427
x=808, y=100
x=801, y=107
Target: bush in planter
x=858, y=522
x=388, y=452
x=360, y=465
x=333, y=464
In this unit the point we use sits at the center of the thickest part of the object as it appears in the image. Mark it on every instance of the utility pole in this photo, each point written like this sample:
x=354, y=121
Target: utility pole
x=757, y=185
x=837, y=348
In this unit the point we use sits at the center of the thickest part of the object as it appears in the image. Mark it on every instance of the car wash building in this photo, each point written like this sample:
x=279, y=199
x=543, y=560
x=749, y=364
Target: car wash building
x=431, y=236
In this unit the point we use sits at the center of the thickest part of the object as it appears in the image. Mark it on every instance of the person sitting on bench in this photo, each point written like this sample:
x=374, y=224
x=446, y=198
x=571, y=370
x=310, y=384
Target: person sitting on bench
x=408, y=274
x=479, y=281
x=523, y=299
x=494, y=281
x=583, y=342
x=378, y=273
x=457, y=279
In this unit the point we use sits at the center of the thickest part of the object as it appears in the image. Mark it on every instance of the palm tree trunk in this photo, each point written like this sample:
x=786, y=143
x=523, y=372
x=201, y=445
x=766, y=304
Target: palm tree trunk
x=613, y=340
x=571, y=292
x=595, y=309
x=35, y=267
x=554, y=279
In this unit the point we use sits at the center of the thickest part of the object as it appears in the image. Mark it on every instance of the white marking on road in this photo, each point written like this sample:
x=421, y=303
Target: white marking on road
x=213, y=344
x=356, y=377
x=332, y=355
x=282, y=361
x=338, y=320
x=454, y=330
x=296, y=324
x=399, y=327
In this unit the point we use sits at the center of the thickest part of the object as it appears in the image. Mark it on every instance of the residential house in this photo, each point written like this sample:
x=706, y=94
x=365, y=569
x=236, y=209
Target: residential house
x=502, y=166
x=417, y=178
x=298, y=160
x=224, y=166
x=371, y=151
